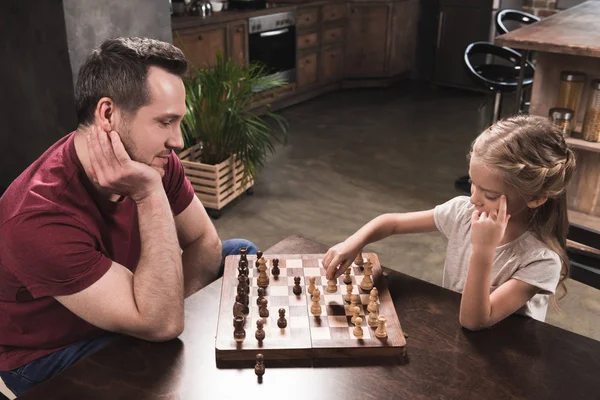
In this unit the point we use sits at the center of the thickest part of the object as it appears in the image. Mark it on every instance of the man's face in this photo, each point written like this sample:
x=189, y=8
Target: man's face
x=154, y=131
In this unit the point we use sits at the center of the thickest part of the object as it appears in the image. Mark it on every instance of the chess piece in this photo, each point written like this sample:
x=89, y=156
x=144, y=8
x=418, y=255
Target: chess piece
x=358, y=331
x=239, y=334
x=259, y=255
x=263, y=278
x=237, y=309
x=347, y=278
x=381, y=331
x=297, y=289
x=353, y=302
x=331, y=286
x=355, y=314
x=373, y=299
x=275, y=270
x=359, y=259
x=259, y=368
x=261, y=294
x=315, y=307
x=281, y=322
x=243, y=253
x=311, y=284
x=242, y=283
x=260, y=332
x=242, y=296
x=373, y=309
x=367, y=282
x=263, y=311
x=348, y=295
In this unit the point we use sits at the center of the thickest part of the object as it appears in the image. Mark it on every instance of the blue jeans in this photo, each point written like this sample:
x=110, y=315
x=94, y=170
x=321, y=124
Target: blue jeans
x=22, y=379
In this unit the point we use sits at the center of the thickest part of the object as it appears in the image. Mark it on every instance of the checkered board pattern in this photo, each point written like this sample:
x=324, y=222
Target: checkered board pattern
x=329, y=335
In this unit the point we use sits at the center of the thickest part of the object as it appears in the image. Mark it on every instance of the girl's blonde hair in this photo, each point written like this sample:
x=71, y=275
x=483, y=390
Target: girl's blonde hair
x=534, y=158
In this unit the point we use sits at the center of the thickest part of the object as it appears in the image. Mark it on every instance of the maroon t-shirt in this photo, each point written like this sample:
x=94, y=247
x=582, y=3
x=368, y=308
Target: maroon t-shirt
x=57, y=237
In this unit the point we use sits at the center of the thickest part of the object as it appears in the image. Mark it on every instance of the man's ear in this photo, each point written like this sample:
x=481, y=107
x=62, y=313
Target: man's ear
x=106, y=114
x=536, y=202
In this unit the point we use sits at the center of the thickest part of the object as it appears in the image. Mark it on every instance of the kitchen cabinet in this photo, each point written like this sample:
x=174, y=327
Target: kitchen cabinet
x=238, y=36
x=306, y=70
x=458, y=26
x=405, y=18
x=200, y=46
x=366, y=40
x=332, y=64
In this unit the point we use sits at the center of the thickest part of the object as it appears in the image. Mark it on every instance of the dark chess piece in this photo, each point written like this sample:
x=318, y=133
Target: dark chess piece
x=242, y=283
x=239, y=334
x=243, y=268
x=238, y=309
x=263, y=311
x=275, y=270
x=281, y=322
x=241, y=296
x=261, y=294
x=243, y=253
x=260, y=332
x=259, y=369
x=297, y=290
x=259, y=254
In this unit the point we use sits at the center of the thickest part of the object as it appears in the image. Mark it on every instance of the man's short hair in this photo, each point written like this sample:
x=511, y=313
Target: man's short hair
x=118, y=69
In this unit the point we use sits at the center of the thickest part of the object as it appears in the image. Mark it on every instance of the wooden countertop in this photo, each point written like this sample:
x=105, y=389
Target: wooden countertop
x=575, y=31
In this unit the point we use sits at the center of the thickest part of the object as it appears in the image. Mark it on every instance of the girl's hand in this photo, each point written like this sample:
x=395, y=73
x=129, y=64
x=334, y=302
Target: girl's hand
x=487, y=230
x=342, y=255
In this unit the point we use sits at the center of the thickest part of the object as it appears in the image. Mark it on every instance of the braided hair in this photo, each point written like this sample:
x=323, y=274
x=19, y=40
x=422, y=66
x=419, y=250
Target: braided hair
x=532, y=155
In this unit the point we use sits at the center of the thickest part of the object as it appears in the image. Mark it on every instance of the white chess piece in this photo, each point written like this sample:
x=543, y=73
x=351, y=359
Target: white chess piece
x=381, y=331
x=358, y=331
x=311, y=285
x=331, y=286
x=348, y=295
x=373, y=298
x=367, y=282
x=315, y=307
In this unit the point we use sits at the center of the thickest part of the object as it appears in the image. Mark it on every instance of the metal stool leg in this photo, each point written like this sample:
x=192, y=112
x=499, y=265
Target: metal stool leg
x=497, y=107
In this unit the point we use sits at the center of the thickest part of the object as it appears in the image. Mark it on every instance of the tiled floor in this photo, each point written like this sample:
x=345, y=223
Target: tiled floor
x=356, y=154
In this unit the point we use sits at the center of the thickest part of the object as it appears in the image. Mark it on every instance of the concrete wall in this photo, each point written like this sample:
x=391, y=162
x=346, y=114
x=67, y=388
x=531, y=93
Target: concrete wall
x=90, y=22
x=42, y=46
x=36, y=97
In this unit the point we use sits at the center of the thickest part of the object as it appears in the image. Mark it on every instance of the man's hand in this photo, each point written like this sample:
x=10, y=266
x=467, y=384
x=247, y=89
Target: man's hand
x=487, y=230
x=113, y=169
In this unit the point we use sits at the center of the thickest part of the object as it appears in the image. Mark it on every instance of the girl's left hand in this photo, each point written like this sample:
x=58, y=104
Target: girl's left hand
x=487, y=230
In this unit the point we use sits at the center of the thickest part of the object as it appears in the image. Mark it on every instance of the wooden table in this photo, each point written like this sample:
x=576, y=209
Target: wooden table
x=567, y=41
x=518, y=359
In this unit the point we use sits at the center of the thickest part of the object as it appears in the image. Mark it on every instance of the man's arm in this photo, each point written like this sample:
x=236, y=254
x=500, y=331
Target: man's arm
x=148, y=304
x=201, y=247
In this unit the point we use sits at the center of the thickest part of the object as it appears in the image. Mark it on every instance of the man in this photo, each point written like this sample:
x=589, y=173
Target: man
x=103, y=235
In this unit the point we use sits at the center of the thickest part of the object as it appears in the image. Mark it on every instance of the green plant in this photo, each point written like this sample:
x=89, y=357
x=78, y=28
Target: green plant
x=219, y=114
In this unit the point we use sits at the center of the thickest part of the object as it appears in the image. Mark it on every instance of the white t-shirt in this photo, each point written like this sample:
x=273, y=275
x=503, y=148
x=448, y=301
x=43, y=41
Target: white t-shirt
x=525, y=258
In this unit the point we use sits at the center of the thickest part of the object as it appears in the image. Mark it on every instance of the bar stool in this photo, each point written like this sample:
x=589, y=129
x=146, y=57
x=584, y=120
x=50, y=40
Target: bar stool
x=496, y=69
x=513, y=18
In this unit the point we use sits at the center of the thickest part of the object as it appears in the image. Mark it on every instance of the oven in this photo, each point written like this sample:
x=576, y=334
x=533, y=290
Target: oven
x=272, y=43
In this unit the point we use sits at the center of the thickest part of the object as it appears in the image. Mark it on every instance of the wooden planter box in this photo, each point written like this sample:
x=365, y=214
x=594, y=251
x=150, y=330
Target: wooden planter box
x=215, y=185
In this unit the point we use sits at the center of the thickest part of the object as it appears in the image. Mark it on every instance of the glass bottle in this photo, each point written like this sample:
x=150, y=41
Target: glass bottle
x=591, y=120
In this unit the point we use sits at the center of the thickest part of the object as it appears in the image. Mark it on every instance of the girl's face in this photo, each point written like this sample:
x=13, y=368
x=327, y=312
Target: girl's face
x=487, y=185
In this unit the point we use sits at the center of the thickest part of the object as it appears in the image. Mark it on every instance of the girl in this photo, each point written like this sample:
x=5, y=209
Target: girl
x=507, y=242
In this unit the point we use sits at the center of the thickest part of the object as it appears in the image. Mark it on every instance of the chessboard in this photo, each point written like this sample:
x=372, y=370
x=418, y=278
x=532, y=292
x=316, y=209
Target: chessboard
x=306, y=336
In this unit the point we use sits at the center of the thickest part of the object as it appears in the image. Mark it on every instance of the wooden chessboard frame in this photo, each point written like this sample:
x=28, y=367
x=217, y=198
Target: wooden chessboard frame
x=296, y=342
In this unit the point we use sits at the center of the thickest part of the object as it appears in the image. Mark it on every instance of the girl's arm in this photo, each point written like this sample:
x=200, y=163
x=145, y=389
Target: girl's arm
x=479, y=309
x=342, y=254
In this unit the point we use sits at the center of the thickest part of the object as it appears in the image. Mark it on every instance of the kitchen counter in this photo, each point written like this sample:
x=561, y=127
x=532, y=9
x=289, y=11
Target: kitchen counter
x=225, y=16
x=575, y=31
x=567, y=41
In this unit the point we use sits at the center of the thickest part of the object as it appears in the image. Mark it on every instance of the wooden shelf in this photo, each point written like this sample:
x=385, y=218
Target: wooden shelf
x=586, y=220
x=583, y=144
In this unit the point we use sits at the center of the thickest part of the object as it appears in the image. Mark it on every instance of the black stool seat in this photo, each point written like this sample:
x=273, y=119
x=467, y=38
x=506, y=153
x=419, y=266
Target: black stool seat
x=516, y=17
x=497, y=77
